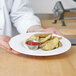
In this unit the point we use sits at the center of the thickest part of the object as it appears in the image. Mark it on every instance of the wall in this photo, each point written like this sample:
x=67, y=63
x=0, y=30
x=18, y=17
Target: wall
x=46, y=6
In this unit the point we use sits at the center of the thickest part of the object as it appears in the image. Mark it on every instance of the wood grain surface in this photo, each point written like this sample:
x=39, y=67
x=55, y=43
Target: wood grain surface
x=23, y=65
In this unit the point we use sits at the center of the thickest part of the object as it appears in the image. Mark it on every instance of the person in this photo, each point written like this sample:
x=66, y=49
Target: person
x=18, y=17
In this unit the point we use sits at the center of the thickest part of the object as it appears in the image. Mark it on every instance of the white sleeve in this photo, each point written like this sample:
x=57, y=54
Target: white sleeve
x=22, y=15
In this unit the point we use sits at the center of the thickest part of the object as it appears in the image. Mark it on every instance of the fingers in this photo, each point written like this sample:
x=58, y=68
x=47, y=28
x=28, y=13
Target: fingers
x=5, y=45
x=15, y=52
x=53, y=31
x=7, y=39
x=59, y=33
x=4, y=42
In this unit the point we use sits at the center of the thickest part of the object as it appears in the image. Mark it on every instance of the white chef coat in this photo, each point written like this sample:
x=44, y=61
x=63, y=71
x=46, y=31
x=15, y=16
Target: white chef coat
x=19, y=15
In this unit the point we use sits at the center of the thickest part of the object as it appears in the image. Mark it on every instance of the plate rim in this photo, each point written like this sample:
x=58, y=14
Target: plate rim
x=40, y=54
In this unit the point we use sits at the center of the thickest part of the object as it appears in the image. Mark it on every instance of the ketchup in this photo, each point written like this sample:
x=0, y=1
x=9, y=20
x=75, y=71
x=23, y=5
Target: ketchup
x=33, y=43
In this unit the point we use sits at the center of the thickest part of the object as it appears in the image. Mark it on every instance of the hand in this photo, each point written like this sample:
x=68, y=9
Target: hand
x=37, y=28
x=52, y=30
x=4, y=43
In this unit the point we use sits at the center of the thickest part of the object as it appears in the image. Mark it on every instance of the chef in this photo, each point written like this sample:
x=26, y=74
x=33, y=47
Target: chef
x=17, y=16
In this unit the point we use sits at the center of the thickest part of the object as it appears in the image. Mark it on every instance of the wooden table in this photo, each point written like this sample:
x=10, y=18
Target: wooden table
x=23, y=65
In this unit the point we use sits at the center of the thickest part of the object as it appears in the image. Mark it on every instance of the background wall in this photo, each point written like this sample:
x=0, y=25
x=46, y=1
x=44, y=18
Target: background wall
x=46, y=6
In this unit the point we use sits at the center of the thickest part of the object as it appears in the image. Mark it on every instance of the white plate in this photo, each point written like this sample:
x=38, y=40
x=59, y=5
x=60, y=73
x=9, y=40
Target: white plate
x=17, y=43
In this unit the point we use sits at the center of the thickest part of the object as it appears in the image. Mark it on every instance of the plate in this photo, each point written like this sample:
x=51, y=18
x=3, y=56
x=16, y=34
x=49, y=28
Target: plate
x=17, y=43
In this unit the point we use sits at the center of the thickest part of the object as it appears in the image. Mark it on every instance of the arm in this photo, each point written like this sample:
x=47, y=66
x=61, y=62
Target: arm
x=24, y=22
x=22, y=16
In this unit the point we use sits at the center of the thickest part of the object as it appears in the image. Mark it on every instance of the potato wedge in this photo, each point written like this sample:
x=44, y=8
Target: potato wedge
x=40, y=39
x=43, y=35
x=33, y=37
x=55, y=37
x=45, y=39
x=59, y=44
x=50, y=45
x=43, y=44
